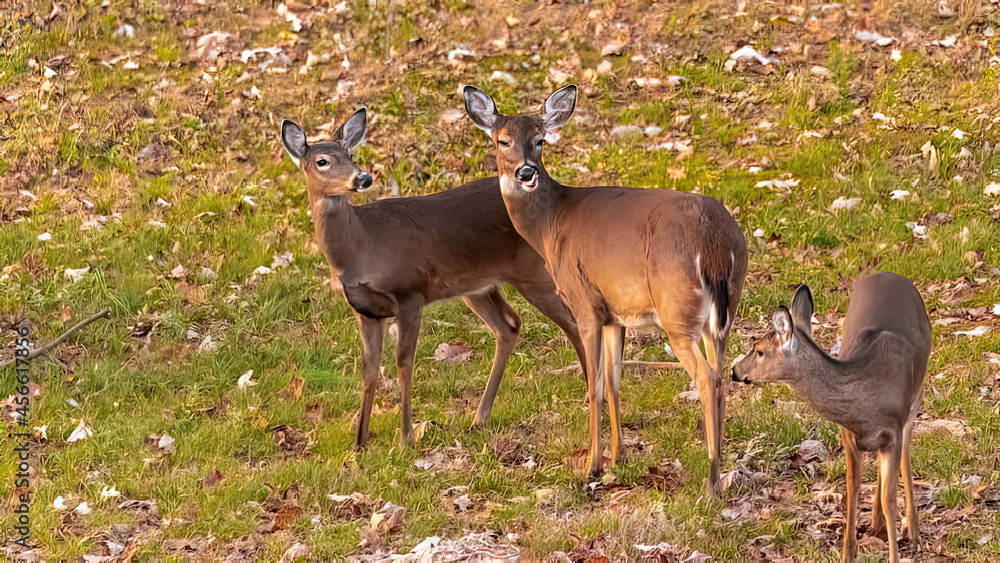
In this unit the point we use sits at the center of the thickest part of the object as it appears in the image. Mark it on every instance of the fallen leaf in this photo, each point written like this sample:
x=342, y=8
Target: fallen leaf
x=453, y=352
x=955, y=427
x=75, y=275
x=109, y=492
x=80, y=433
x=213, y=478
x=282, y=260
x=463, y=503
x=296, y=551
x=388, y=519
x=82, y=508
x=978, y=331
x=294, y=388
x=844, y=203
x=244, y=381
x=166, y=444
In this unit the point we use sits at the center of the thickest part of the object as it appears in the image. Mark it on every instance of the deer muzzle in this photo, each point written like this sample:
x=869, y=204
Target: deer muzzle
x=361, y=182
x=528, y=176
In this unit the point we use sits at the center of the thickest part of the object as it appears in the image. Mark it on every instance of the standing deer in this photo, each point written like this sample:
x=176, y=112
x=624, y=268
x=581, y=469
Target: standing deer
x=395, y=256
x=623, y=257
x=874, y=392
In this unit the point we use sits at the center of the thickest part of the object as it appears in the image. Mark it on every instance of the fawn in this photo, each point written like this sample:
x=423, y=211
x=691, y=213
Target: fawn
x=873, y=391
x=623, y=257
x=394, y=256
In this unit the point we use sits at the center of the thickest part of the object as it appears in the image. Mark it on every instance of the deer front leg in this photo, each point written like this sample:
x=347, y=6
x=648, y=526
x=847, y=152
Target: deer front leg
x=408, y=323
x=612, y=349
x=888, y=467
x=372, y=334
x=591, y=336
x=853, y=495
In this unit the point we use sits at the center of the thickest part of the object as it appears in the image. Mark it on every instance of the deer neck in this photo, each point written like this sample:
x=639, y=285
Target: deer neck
x=830, y=385
x=533, y=213
x=338, y=231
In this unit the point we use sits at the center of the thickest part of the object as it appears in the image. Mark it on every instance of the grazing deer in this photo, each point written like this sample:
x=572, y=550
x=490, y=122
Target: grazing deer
x=873, y=391
x=395, y=256
x=623, y=257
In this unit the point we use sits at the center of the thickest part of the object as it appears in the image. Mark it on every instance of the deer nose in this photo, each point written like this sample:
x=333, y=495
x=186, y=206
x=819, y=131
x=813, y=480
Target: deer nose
x=526, y=173
x=363, y=180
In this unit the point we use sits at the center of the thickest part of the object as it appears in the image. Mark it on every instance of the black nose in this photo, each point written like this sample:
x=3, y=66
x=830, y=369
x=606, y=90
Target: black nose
x=734, y=375
x=363, y=180
x=526, y=173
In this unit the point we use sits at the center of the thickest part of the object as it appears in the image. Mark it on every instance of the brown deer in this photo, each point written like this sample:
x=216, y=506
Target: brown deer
x=873, y=391
x=394, y=256
x=623, y=257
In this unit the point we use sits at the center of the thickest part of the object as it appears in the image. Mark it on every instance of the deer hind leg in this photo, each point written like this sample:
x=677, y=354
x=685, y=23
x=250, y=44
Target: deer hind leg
x=504, y=323
x=853, y=494
x=912, y=531
x=878, y=518
x=372, y=336
x=715, y=350
x=408, y=323
x=707, y=380
x=888, y=467
x=612, y=348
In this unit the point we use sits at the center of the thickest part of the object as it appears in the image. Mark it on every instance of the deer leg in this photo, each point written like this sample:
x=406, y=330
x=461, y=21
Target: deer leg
x=853, y=494
x=706, y=379
x=372, y=334
x=504, y=323
x=888, y=466
x=715, y=350
x=544, y=298
x=612, y=348
x=878, y=520
x=912, y=531
x=591, y=336
x=408, y=323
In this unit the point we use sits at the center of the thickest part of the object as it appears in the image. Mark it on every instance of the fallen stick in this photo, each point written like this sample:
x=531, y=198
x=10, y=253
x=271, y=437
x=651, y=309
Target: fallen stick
x=666, y=365
x=106, y=313
x=575, y=366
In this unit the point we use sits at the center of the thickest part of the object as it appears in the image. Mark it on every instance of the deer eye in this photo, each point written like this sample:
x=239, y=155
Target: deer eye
x=504, y=143
x=322, y=162
x=539, y=144
x=760, y=353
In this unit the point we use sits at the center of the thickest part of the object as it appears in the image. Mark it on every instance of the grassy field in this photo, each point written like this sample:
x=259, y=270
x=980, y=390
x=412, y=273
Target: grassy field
x=142, y=172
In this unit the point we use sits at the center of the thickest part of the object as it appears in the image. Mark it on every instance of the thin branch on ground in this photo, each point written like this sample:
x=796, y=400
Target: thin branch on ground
x=105, y=313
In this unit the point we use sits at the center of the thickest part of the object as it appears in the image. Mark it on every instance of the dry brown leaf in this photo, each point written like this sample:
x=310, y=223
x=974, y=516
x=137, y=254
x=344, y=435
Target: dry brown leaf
x=294, y=388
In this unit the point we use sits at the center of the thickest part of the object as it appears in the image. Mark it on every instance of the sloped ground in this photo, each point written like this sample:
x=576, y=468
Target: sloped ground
x=142, y=172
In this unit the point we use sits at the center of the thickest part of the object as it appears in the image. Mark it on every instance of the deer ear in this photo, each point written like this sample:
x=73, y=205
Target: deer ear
x=294, y=140
x=352, y=132
x=802, y=309
x=559, y=108
x=480, y=107
x=784, y=328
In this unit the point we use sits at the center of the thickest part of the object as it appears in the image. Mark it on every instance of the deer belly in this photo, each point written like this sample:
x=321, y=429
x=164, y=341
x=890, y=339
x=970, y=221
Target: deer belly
x=643, y=322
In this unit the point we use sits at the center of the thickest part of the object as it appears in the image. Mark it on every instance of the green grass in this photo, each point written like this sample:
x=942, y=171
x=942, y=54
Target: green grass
x=91, y=123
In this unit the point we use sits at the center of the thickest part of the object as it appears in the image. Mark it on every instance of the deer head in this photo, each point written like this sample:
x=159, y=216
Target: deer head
x=778, y=355
x=519, y=138
x=327, y=165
